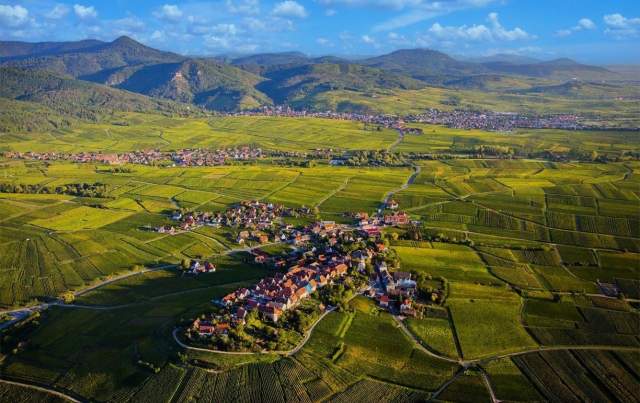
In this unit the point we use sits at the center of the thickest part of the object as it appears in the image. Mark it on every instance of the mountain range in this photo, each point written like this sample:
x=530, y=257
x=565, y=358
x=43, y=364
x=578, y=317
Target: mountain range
x=139, y=76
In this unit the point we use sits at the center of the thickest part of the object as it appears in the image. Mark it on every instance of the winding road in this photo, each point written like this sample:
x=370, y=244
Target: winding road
x=287, y=353
x=41, y=389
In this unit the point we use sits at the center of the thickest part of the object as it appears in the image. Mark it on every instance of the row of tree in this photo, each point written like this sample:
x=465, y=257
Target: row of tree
x=73, y=189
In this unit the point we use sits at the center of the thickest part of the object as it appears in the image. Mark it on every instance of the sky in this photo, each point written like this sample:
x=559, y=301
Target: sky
x=590, y=31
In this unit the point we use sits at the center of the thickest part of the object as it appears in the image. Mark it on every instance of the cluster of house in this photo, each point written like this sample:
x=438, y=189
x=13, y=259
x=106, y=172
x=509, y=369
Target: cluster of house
x=204, y=157
x=185, y=157
x=388, y=121
x=395, y=291
x=274, y=295
x=254, y=216
x=197, y=267
x=496, y=121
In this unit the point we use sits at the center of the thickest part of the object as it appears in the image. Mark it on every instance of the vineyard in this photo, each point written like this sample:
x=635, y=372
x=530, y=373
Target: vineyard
x=526, y=249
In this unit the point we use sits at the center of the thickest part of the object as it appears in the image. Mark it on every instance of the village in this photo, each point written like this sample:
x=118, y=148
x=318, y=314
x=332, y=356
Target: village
x=457, y=118
x=182, y=158
x=328, y=263
x=257, y=221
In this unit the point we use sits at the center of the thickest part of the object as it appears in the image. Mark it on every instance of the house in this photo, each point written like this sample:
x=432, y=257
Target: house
x=341, y=269
x=407, y=309
x=401, y=275
x=361, y=215
x=263, y=238
x=221, y=328
x=271, y=312
x=260, y=258
x=328, y=225
x=241, y=315
x=195, y=266
x=397, y=218
x=384, y=301
x=204, y=328
x=209, y=267
x=392, y=204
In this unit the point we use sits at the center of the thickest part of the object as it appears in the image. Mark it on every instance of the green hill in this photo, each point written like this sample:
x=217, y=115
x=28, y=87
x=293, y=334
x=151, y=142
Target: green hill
x=295, y=83
x=204, y=82
x=60, y=100
x=559, y=69
x=424, y=64
x=78, y=63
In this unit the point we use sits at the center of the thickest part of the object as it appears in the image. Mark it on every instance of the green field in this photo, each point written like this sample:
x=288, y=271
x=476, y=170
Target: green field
x=518, y=247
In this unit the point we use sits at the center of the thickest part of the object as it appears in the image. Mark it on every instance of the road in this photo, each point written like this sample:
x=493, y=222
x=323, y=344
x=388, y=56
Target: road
x=41, y=389
x=406, y=184
x=422, y=348
x=24, y=312
x=287, y=353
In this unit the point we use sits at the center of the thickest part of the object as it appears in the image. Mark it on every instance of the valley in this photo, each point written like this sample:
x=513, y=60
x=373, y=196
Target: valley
x=280, y=227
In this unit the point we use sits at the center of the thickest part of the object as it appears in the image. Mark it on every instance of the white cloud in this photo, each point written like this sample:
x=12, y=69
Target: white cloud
x=396, y=39
x=290, y=8
x=324, y=42
x=621, y=27
x=157, y=36
x=127, y=26
x=57, y=12
x=620, y=21
x=368, y=40
x=226, y=29
x=84, y=12
x=476, y=33
x=13, y=16
x=169, y=12
x=583, y=24
x=414, y=10
x=249, y=7
x=499, y=32
x=586, y=23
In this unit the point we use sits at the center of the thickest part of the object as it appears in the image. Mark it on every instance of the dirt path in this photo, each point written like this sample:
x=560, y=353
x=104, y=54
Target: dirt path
x=41, y=389
x=489, y=386
x=409, y=181
x=421, y=347
x=333, y=193
x=287, y=353
x=397, y=142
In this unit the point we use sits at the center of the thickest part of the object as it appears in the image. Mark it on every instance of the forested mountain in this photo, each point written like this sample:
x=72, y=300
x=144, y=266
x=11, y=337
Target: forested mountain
x=235, y=83
x=86, y=61
x=292, y=83
x=63, y=99
x=424, y=64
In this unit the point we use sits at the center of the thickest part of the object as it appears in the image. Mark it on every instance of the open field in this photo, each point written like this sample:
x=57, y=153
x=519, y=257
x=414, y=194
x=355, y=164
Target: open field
x=519, y=246
x=51, y=243
x=148, y=131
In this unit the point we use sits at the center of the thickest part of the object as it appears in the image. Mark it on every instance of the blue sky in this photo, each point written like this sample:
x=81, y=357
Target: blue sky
x=593, y=31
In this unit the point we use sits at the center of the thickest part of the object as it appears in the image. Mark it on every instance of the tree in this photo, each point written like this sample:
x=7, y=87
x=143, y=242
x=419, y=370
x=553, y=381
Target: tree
x=67, y=297
x=185, y=264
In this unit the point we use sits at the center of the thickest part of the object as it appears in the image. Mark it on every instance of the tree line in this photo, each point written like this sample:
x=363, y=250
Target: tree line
x=74, y=189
